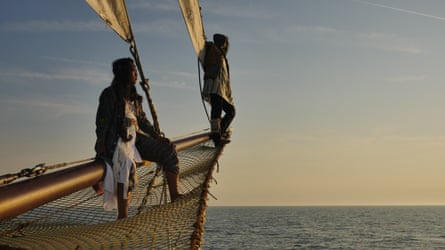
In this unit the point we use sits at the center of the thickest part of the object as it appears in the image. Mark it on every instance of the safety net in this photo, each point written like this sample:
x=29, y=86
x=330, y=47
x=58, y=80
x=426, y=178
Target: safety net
x=78, y=220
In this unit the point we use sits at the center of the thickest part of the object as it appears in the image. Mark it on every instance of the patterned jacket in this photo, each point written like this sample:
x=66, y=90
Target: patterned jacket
x=216, y=75
x=110, y=122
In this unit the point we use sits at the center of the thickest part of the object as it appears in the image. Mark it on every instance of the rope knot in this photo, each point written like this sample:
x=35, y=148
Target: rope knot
x=39, y=169
x=32, y=172
x=26, y=172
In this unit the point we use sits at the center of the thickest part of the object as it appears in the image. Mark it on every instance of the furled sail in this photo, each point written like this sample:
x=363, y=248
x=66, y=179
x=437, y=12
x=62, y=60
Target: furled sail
x=114, y=13
x=191, y=11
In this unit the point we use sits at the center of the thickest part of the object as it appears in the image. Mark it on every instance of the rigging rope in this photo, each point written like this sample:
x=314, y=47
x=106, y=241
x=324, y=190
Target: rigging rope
x=145, y=86
x=200, y=90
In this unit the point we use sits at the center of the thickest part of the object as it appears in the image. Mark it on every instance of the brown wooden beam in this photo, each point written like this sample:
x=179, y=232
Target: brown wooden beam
x=20, y=197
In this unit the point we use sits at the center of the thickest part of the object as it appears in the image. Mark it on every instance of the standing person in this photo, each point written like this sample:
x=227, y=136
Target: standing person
x=125, y=137
x=217, y=90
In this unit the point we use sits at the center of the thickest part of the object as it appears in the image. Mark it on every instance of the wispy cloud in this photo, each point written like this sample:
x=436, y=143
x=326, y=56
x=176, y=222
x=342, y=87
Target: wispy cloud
x=389, y=42
x=74, y=61
x=166, y=27
x=53, y=108
x=401, y=10
x=405, y=78
x=313, y=29
x=162, y=26
x=213, y=8
x=87, y=76
x=165, y=5
x=290, y=34
x=47, y=26
x=169, y=79
x=172, y=84
x=325, y=34
x=100, y=73
x=222, y=9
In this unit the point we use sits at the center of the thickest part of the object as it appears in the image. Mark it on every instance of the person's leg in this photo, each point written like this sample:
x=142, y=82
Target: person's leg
x=215, y=117
x=163, y=153
x=229, y=111
x=216, y=106
x=122, y=204
x=172, y=182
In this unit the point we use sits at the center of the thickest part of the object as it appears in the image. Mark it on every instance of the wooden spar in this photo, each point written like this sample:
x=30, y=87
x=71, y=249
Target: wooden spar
x=191, y=141
x=20, y=197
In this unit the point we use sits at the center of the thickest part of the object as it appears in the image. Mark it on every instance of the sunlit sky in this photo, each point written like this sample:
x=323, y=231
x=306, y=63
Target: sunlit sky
x=339, y=102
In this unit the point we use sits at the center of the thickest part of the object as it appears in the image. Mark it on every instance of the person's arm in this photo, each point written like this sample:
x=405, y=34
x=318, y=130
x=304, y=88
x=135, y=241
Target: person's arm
x=104, y=119
x=212, y=62
x=144, y=124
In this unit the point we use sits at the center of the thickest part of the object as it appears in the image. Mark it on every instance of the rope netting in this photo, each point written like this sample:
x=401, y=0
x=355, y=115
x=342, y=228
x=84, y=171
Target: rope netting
x=78, y=221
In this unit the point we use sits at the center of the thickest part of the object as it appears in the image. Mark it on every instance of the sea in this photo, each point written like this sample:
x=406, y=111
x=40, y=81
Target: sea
x=324, y=227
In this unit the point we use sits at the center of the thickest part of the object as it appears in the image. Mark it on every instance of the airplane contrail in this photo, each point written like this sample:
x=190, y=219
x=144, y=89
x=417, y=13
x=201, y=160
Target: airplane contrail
x=401, y=10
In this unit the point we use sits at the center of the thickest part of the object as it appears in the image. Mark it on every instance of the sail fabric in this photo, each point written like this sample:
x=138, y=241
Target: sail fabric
x=191, y=11
x=114, y=13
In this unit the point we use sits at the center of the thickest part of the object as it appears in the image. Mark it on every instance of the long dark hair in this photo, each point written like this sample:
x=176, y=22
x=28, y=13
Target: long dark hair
x=122, y=78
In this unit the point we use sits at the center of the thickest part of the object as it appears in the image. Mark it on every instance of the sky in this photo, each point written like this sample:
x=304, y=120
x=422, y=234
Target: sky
x=339, y=102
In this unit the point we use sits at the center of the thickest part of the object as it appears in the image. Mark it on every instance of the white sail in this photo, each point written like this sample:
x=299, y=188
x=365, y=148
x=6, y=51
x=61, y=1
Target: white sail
x=191, y=11
x=114, y=13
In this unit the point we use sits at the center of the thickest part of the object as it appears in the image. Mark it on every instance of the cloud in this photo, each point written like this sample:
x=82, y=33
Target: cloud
x=401, y=10
x=170, y=79
x=210, y=8
x=172, y=84
x=74, y=61
x=97, y=74
x=313, y=29
x=84, y=75
x=162, y=26
x=405, y=78
x=166, y=27
x=380, y=41
x=389, y=42
x=165, y=5
x=223, y=9
x=324, y=34
x=48, y=26
x=52, y=108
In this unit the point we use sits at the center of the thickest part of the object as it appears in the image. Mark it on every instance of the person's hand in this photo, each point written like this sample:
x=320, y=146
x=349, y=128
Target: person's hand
x=166, y=140
x=101, y=149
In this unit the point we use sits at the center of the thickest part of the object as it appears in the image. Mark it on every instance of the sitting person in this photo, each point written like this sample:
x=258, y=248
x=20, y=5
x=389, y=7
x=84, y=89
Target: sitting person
x=125, y=137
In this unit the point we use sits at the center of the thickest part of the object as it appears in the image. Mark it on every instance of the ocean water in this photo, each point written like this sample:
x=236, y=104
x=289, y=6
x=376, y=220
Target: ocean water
x=380, y=227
